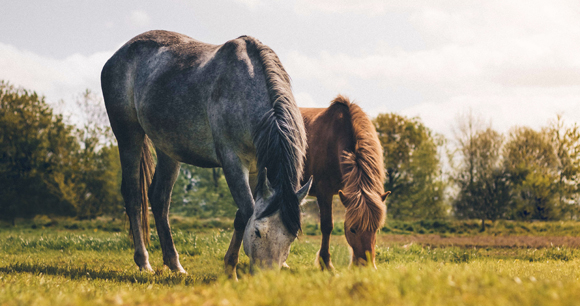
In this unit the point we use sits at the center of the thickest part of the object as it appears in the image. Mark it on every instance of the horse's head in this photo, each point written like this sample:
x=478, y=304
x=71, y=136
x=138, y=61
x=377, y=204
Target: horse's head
x=359, y=231
x=266, y=238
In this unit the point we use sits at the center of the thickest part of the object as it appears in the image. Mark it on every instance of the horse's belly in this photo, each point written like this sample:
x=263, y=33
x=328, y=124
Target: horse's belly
x=195, y=151
x=184, y=136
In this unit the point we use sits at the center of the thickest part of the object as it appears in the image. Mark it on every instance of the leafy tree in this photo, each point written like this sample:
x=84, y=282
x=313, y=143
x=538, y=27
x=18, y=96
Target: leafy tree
x=35, y=146
x=50, y=167
x=483, y=184
x=566, y=142
x=99, y=167
x=413, y=167
x=544, y=169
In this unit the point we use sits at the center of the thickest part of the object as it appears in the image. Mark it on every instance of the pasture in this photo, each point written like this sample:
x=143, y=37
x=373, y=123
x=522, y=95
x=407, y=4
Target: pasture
x=90, y=263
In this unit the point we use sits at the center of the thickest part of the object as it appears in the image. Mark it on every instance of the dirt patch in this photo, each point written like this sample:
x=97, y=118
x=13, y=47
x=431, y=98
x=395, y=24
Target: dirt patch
x=481, y=241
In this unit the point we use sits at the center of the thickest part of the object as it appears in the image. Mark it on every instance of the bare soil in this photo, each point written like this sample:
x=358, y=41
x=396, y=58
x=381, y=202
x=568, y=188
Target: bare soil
x=481, y=241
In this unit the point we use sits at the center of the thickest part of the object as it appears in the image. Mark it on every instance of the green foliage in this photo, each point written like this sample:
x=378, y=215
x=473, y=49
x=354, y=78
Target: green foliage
x=202, y=192
x=35, y=146
x=533, y=175
x=50, y=167
x=99, y=166
x=413, y=168
x=484, y=186
x=544, y=169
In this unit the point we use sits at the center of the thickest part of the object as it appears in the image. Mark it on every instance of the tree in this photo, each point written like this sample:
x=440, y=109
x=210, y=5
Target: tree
x=566, y=142
x=35, y=146
x=483, y=184
x=413, y=167
x=99, y=168
x=50, y=167
x=544, y=169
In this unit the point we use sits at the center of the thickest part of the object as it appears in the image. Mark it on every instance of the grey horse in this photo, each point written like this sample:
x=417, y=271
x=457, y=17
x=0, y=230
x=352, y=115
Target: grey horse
x=228, y=106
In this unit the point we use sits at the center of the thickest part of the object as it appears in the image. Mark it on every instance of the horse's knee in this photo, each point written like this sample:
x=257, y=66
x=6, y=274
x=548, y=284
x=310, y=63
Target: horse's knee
x=326, y=227
x=231, y=259
x=241, y=220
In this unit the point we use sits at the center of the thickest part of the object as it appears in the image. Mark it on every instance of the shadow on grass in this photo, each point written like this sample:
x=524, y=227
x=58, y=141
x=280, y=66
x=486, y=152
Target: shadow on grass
x=164, y=277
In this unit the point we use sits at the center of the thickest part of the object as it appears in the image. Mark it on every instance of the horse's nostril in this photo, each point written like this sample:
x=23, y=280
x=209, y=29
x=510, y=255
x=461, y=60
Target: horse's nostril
x=257, y=232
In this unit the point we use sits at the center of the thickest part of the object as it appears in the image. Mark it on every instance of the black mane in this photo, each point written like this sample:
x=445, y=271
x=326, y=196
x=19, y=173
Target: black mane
x=280, y=141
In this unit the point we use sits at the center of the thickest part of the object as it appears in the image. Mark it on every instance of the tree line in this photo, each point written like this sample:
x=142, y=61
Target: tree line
x=49, y=166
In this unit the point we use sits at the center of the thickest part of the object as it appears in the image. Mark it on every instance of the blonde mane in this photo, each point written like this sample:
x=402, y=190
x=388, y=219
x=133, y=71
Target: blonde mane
x=364, y=177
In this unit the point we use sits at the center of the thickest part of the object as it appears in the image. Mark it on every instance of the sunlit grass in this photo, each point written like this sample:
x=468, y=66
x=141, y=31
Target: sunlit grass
x=48, y=267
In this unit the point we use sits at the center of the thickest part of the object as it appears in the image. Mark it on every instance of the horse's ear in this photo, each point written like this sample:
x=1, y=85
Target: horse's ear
x=266, y=182
x=303, y=192
x=385, y=195
x=266, y=189
x=342, y=197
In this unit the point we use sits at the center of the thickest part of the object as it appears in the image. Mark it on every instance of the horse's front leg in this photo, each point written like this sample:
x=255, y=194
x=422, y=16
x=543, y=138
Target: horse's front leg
x=232, y=255
x=165, y=176
x=324, y=200
x=237, y=177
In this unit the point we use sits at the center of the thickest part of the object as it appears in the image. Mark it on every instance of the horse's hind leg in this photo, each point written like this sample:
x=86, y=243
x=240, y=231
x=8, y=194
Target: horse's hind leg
x=165, y=176
x=324, y=200
x=130, y=151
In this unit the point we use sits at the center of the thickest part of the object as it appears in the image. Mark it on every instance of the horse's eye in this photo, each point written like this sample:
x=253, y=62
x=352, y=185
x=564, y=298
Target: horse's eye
x=352, y=230
x=257, y=232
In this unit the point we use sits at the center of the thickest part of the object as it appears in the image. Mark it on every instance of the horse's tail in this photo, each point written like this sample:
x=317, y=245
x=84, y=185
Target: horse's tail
x=147, y=168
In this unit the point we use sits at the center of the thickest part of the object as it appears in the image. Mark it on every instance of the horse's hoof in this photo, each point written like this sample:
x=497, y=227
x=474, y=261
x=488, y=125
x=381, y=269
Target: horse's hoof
x=231, y=273
x=179, y=269
x=147, y=268
x=319, y=262
x=285, y=266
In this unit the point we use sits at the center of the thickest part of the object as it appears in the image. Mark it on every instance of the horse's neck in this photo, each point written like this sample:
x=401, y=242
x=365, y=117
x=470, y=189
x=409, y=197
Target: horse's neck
x=329, y=136
x=346, y=143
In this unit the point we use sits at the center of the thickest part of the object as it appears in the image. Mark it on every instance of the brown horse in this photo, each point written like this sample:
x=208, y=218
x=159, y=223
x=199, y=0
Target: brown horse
x=345, y=157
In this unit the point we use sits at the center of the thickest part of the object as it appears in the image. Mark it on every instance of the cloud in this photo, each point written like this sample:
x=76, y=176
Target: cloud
x=370, y=7
x=139, y=19
x=55, y=78
x=515, y=62
x=250, y=3
x=533, y=108
x=304, y=99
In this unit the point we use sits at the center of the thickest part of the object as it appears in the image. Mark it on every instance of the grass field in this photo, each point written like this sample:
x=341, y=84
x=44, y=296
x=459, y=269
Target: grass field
x=84, y=263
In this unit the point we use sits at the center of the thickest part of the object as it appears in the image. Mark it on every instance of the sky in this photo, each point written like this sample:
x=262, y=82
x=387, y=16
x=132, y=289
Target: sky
x=511, y=62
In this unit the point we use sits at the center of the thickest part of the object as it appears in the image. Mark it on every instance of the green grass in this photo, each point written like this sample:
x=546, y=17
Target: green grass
x=58, y=266
x=441, y=227
x=465, y=228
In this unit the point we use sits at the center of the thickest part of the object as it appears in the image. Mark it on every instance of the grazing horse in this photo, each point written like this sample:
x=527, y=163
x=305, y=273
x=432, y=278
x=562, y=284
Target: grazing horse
x=344, y=156
x=226, y=106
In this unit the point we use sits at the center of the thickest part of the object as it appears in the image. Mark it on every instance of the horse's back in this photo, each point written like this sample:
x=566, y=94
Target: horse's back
x=182, y=91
